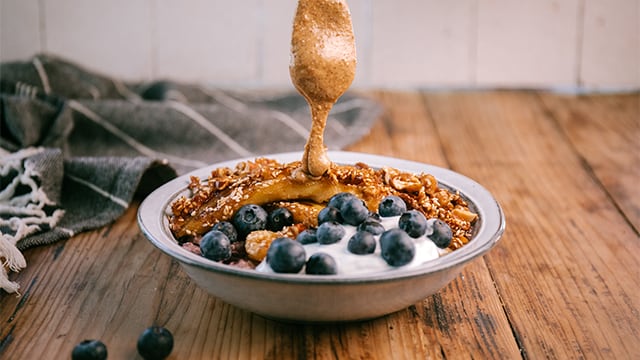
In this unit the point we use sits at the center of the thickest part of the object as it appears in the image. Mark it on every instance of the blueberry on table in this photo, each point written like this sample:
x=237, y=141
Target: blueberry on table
x=414, y=223
x=372, y=226
x=228, y=229
x=392, y=206
x=215, y=245
x=330, y=232
x=286, y=255
x=249, y=218
x=321, y=264
x=338, y=199
x=155, y=342
x=279, y=218
x=307, y=236
x=89, y=350
x=329, y=213
x=397, y=247
x=361, y=243
x=354, y=211
x=442, y=234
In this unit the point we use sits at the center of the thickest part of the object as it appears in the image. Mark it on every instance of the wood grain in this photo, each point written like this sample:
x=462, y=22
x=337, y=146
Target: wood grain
x=470, y=302
x=568, y=267
x=605, y=132
x=562, y=283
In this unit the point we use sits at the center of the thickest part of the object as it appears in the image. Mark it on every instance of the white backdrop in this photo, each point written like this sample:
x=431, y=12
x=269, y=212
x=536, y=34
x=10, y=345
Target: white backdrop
x=559, y=44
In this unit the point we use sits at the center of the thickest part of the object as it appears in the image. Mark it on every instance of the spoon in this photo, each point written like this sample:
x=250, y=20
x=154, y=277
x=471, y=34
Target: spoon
x=323, y=64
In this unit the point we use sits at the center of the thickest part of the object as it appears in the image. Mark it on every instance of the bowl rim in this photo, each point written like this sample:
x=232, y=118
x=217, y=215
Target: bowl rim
x=153, y=222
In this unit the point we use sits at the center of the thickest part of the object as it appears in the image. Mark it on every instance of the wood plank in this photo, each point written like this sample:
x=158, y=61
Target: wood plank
x=605, y=131
x=111, y=283
x=404, y=130
x=567, y=269
x=563, y=282
x=466, y=317
x=101, y=283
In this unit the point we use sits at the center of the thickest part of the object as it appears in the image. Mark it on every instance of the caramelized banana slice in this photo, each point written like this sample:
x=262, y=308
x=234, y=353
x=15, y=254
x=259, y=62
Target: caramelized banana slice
x=266, y=181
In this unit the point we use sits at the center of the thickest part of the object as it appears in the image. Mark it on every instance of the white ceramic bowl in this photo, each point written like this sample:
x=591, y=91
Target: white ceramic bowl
x=301, y=297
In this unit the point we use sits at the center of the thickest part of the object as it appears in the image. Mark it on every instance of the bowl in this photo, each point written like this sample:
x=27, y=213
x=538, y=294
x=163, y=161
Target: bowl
x=305, y=298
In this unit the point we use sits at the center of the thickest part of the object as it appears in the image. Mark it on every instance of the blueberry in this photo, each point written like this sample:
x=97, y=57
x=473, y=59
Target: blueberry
x=155, y=342
x=413, y=222
x=372, y=226
x=249, y=218
x=228, y=229
x=338, y=199
x=286, y=255
x=354, y=211
x=392, y=206
x=330, y=232
x=329, y=213
x=361, y=243
x=396, y=247
x=215, y=245
x=442, y=234
x=321, y=264
x=279, y=218
x=307, y=236
x=89, y=350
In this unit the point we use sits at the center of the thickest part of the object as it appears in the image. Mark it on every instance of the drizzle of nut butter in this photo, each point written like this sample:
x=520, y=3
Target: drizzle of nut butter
x=323, y=65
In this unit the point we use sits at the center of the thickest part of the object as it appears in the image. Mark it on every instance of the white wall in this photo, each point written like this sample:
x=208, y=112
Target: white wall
x=560, y=44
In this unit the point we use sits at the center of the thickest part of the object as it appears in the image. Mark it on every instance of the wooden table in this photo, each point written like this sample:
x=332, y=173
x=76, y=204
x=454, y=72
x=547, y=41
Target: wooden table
x=563, y=282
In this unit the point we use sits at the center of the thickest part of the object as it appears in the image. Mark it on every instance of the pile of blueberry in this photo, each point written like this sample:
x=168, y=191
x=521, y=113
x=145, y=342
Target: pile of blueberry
x=218, y=243
x=287, y=255
x=154, y=343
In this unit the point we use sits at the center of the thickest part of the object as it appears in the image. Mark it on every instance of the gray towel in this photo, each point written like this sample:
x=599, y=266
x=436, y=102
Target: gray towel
x=77, y=146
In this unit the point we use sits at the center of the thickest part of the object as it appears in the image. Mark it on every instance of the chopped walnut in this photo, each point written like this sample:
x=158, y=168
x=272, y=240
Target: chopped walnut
x=465, y=214
x=258, y=242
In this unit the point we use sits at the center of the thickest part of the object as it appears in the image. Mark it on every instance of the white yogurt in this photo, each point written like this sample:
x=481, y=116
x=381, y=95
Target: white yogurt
x=349, y=263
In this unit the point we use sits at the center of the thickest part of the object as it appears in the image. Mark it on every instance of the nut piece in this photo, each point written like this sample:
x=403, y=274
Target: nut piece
x=458, y=242
x=258, y=243
x=465, y=215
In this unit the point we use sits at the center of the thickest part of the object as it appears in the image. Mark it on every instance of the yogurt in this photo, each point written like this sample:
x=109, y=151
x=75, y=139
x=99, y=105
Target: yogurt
x=353, y=264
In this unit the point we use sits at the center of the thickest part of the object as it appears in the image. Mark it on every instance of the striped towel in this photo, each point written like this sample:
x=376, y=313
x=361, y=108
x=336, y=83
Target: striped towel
x=77, y=146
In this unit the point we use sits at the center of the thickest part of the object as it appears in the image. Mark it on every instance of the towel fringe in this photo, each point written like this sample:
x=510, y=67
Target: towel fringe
x=5, y=284
x=11, y=258
x=23, y=214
